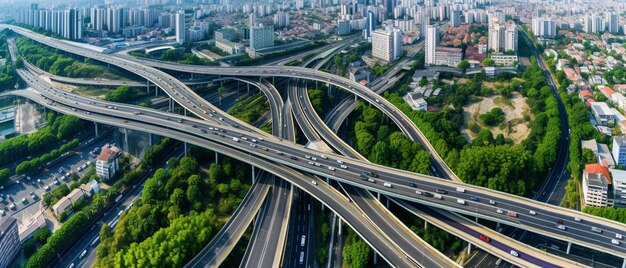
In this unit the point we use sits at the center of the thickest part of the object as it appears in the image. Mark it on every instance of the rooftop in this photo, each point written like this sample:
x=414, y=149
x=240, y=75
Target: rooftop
x=108, y=153
x=598, y=169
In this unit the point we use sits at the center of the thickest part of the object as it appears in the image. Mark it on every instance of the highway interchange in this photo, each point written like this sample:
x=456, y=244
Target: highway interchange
x=271, y=149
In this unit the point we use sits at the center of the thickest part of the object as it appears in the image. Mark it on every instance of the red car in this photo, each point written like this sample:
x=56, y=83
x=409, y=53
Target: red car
x=485, y=238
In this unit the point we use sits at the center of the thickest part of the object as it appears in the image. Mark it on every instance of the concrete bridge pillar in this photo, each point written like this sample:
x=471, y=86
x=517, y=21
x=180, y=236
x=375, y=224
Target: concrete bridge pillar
x=185, y=149
x=498, y=227
x=469, y=248
x=96, y=127
x=425, y=224
x=150, y=139
x=387, y=202
x=340, y=225
x=147, y=86
x=569, y=247
x=126, y=139
x=253, y=175
x=624, y=264
x=156, y=91
x=216, y=158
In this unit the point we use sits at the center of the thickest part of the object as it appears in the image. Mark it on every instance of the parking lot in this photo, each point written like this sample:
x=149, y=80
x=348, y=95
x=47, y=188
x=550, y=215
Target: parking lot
x=23, y=198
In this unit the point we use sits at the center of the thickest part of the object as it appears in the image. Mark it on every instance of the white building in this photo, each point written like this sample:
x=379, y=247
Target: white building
x=455, y=18
x=596, y=180
x=180, y=27
x=602, y=113
x=432, y=41
x=449, y=56
x=510, y=39
x=261, y=37
x=496, y=38
x=543, y=27
x=281, y=19
x=612, y=22
x=501, y=59
x=619, y=150
x=387, y=44
x=618, y=178
x=229, y=47
x=107, y=162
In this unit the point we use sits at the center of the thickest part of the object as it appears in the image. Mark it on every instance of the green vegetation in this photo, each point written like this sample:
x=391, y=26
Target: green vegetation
x=181, y=208
x=178, y=56
x=380, y=142
x=379, y=70
x=125, y=94
x=493, y=117
x=59, y=128
x=611, y=213
x=251, y=108
x=342, y=62
x=439, y=239
x=34, y=164
x=5, y=174
x=355, y=251
x=572, y=194
x=53, y=61
x=6, y=72
x=320, y=100
x=58, y=241
x=488, y=161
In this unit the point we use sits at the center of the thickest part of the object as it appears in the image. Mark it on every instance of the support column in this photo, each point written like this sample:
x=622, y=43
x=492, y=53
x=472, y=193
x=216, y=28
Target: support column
x=185, y=149
x=96, y=126
x=253, y=175
x=569, y=247
x=355, y=98
x=147, y=86
x=216, y=158
x=150, y=139
x=387, y=202
x=469, y=248
x=273, y=80
x=126, y=139
x=340, y=225
x=248, y=87
x=624, y=264
x=425, y=224
x=498, y=227
x=156, y=91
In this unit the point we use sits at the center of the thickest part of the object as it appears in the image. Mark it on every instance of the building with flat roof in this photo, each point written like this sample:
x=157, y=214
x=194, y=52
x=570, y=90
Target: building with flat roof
x=9, y=240
x=596, y=180
x=602, y=113
x=261, y=37
x=619, y=187
x=619, y=150
x=229, y=47
x=501, y=59
x=107, y=162
x=449, y=56
x=601, y=151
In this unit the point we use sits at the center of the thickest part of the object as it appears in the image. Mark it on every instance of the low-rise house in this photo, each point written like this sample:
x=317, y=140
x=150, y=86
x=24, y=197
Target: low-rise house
x=602, y=113
x=601, y=151
x=416, y=101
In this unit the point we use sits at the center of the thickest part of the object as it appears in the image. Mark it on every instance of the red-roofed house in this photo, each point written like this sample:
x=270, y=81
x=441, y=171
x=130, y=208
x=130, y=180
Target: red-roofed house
x=589, y=102
x=596, y=180
x=606, y=91
x=584, y=95
x=106, y=163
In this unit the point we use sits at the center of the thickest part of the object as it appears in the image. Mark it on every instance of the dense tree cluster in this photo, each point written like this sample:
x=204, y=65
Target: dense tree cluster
x=34, y=164
x=58, y=241
x=6, y=72
x=125, y=94
x=380, y=142
x=320, y=100
x=355, y=252
x=55, y=62
x=250, y=109
x=5, y=174
x=488, y=161
x=493, y=117
x=59, y=128
x=178, y=213
x=611, y=213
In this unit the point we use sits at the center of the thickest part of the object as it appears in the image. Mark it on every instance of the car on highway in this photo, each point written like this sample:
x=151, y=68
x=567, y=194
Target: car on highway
x=314, y=182
x=474, y=198
x=562, y=227
x=514, y=253
x=484, y=238
x=559, y=221
x=386, y=184
x=577, y=219
x=619, y=236
x=615, y=242
x=512, y=214
x=596, y=229
x=460, y=190
x=411, y=184
x=441, y=191
x=532, y=212
x=460, y=201
x=438, y=196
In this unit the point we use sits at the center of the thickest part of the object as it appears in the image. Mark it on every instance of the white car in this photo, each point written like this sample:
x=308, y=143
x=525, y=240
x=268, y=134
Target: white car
x=514, y=253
